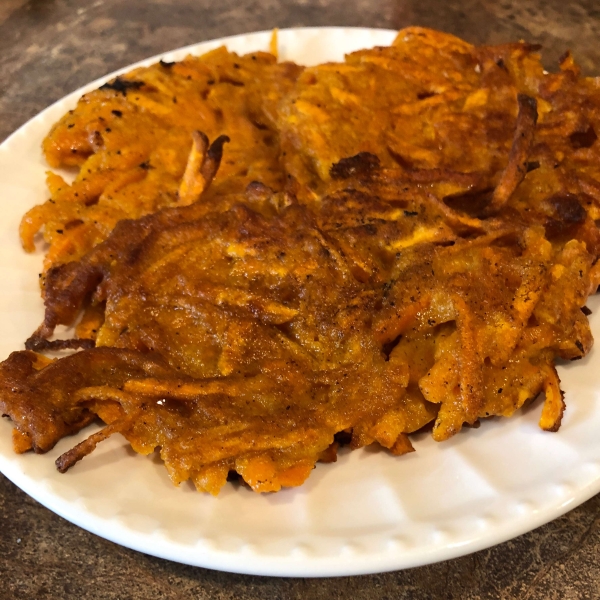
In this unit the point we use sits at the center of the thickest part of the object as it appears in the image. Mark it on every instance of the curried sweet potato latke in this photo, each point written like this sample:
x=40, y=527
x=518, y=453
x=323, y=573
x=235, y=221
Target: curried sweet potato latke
x=366, y=248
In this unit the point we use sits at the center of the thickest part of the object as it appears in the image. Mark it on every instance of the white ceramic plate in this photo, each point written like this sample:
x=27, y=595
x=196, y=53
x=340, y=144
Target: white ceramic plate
x=369, y=512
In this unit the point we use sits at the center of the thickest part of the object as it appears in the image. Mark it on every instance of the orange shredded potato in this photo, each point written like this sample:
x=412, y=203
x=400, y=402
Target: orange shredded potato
x=267, y=262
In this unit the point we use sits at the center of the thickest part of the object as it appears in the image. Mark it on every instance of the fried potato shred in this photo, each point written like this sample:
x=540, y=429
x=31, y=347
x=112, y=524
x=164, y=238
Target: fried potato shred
x=407, y=238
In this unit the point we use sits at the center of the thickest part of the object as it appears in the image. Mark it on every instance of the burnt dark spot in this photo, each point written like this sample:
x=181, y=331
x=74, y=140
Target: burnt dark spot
x=396, y=203
x=579, y=346
x=586, y=311
x=389, y=346
x=531, y=47
x=257, y=189
x=564, y=56
x=74, y=223
x=39, y=344
x=410, y=213
x=532, y=165
x=567, y=208
x=166, y=64
x=233, y=476
x=146, y=165
x=425, y=95
x=583, y=139
x=399, y=159
x=527, y=107
x=215, y=151
x=259, y=125
x=122, y=85
x=362, y=164
x=472, y=203
x=231, y=81
x=343, y=438
x=370, y=229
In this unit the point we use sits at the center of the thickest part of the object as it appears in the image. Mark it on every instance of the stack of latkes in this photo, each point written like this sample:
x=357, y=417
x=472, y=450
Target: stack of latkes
x=265, y=261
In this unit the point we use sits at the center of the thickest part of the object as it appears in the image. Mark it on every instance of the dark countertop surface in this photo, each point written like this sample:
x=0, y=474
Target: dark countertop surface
x=49, y=48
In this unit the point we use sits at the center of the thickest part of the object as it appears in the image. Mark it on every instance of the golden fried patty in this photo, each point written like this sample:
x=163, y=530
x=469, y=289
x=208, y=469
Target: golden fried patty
x=402, y=239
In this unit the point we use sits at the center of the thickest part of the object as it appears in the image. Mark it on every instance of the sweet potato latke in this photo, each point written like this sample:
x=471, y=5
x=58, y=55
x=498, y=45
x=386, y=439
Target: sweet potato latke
x=407, y=238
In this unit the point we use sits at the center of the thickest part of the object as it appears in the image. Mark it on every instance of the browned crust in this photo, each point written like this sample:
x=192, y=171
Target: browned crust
x=516, y=169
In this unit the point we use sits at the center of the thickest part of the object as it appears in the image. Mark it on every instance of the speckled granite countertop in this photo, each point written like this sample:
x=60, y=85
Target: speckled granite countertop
x=51, y=47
